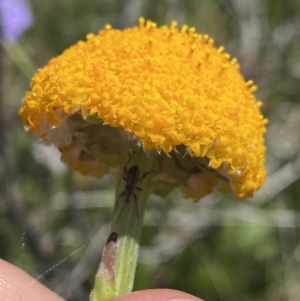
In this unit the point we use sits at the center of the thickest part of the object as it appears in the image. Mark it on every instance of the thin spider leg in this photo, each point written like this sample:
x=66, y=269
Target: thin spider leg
x=136, y=204
x=125, y=168
x=144, y=175
x=121, y=211
x=122, y=194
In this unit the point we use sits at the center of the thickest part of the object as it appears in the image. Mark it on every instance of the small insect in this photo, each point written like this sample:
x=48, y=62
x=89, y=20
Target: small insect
x=131, y=177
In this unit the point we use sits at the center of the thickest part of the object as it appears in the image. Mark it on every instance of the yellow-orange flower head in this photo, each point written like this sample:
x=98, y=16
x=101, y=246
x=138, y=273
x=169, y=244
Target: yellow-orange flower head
x=169, y=87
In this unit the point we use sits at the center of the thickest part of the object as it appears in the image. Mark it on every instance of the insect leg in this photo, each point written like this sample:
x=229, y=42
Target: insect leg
x=122, y=210
x=144, y=175
x=136, y=204
x=122, y=194
x=125, y=169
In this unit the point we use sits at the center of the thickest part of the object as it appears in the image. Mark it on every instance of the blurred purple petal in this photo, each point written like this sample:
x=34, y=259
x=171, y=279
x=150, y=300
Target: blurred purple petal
x=16, y=17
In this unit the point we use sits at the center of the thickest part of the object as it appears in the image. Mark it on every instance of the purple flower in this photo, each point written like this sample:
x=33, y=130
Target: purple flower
x=15, y=17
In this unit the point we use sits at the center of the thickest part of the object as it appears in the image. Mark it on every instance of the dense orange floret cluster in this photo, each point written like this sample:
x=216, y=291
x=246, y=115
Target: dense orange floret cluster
x=166, y=85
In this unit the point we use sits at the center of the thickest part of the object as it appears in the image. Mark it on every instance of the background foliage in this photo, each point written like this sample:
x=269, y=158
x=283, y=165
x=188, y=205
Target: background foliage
x=53, y=222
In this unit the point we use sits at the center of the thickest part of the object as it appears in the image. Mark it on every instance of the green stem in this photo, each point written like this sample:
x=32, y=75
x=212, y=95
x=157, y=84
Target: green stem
x=127, y=225
x=20, y=57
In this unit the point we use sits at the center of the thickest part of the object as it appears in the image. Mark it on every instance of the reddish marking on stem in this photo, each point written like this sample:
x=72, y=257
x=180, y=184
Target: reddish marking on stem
x=109, y=256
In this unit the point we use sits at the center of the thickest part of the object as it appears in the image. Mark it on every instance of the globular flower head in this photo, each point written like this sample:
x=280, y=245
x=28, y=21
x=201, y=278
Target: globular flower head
x=162, y=87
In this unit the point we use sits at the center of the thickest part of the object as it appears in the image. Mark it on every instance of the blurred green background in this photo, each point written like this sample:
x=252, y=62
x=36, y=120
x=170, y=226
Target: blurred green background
x=54, y=222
